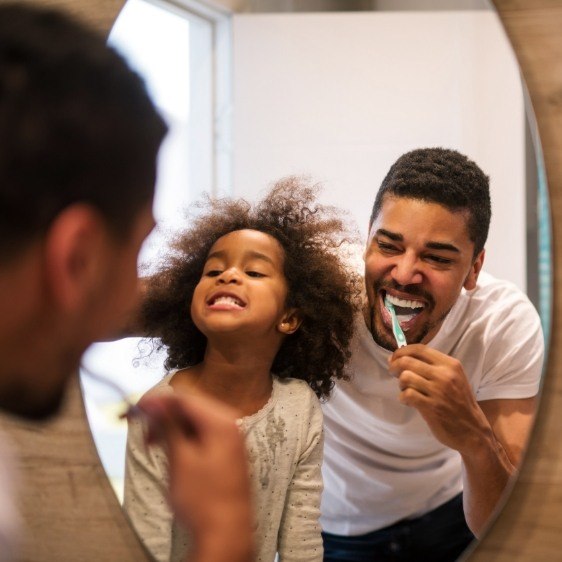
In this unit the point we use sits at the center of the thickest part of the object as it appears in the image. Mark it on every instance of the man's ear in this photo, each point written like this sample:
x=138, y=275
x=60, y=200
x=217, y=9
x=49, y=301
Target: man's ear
x=74, y=255
x=290, y=322
x=475, y=268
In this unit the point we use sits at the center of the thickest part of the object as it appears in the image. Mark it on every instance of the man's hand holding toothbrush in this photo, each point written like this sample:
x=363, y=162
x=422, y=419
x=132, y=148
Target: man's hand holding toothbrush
x=489, y=435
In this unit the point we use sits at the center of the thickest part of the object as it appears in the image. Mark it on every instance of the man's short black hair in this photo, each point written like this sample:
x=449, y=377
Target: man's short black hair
x=446, y=177
x=76, y=125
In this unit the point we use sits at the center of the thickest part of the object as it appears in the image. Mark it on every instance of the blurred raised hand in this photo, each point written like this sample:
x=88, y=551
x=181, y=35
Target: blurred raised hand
x=209, y=483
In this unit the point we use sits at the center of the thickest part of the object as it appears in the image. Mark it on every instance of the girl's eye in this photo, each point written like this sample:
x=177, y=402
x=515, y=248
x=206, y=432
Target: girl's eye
x=255, y=274
x=212, y=273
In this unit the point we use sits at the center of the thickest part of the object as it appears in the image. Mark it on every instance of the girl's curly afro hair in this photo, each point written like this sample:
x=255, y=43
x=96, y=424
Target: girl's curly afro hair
x=320, y=285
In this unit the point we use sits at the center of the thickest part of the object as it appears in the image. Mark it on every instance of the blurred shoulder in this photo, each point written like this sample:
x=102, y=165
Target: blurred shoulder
x=162, y=386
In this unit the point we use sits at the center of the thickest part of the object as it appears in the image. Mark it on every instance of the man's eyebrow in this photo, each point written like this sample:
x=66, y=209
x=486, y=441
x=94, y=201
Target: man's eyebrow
x=442, y=246
x=389, y=234
x=396, y=237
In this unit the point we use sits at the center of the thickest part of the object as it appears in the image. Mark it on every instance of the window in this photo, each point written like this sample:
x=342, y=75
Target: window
x=182, y=52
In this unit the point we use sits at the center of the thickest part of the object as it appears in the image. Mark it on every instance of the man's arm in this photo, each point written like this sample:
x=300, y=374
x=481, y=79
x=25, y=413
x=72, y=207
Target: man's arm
x=511, y=422
x=489, y=436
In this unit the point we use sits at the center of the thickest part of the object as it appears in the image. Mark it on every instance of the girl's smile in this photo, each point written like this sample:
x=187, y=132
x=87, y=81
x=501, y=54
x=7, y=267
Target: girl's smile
x=225, y=301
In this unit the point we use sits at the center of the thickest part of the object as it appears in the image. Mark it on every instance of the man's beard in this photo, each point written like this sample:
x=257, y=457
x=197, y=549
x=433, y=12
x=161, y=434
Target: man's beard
x=382, y=337
x=20, y=400
x=35, y=389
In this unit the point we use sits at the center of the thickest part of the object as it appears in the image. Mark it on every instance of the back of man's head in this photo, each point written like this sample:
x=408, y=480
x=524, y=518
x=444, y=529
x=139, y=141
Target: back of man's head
x=76, y=125
x=446, y=177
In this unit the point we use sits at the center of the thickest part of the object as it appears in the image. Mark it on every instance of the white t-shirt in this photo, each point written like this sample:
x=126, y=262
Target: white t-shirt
x=381, y=461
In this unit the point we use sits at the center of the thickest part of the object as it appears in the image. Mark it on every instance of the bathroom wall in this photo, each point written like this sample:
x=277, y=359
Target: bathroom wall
x=341, y=96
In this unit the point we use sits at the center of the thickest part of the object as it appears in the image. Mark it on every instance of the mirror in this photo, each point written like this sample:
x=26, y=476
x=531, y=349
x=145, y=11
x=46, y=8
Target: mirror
x=65, y=485
x=294, y=113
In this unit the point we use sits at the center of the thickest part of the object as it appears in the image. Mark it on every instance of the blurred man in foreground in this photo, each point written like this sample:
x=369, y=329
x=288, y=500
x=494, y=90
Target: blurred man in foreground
x=78, y=144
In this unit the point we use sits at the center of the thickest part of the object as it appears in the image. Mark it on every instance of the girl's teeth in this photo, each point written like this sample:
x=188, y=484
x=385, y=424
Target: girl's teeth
x=227, y=300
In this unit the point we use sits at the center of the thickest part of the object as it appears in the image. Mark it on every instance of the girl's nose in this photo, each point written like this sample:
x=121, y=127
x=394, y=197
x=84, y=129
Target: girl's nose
x=230, y=275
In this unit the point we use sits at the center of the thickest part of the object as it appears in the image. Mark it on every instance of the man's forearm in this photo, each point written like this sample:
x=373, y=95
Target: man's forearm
x=224, y=548
x=227, y=536
x=487, y=471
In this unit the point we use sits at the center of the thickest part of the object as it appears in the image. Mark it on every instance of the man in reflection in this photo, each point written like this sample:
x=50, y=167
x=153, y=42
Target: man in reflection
x=424, y=439
x=78, y=144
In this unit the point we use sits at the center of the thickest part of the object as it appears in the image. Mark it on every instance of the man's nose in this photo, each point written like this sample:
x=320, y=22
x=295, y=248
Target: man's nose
x=230, y=275
x=406, y=270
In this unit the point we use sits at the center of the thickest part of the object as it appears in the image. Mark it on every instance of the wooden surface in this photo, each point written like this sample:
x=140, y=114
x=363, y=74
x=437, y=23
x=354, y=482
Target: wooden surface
x=70, y=509
x=529, y=526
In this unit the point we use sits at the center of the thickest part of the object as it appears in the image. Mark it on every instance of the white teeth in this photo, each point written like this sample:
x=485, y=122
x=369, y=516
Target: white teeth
x=403, y=303
x=227, y=300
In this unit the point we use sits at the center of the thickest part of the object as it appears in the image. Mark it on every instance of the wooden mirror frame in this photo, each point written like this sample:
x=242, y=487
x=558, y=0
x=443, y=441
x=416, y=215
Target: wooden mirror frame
x=69, y=509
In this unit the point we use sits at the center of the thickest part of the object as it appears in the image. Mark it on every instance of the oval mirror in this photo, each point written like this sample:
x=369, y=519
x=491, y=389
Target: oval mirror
x=337, y=96
x=64, y=493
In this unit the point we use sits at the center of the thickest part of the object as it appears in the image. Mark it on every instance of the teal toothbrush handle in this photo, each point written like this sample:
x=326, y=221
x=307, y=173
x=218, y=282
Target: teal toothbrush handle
x=396, y=329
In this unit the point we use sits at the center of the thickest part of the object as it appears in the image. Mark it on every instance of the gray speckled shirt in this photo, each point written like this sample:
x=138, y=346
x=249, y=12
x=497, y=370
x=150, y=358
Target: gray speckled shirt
x=284, y=441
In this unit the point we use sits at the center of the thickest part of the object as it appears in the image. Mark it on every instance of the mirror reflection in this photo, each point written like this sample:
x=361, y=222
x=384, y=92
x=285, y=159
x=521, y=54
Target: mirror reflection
x=340, y=97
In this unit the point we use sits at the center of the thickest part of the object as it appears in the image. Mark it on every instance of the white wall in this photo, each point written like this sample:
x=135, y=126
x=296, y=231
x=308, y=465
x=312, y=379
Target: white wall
x=341, y=96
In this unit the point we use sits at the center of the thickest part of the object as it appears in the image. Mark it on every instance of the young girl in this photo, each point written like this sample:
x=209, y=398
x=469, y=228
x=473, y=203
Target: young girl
x=255, y=306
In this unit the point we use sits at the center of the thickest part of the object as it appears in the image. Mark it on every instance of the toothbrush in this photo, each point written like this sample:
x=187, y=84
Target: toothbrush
x=182, y=420
x=132, y=410
x=396, y=329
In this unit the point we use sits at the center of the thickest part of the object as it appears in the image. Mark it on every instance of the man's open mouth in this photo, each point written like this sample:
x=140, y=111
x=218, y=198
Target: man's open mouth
x=406, y=309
